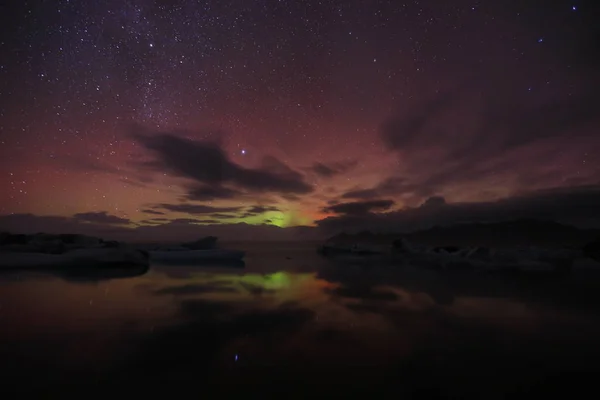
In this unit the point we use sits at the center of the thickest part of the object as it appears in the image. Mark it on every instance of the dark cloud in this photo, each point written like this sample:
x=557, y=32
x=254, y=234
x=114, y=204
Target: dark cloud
x=208, y=164
x=152, y=212
x=510, y=134
x=290, y=197
x=392, y=186
x=196, y=209
x=248, y=212
x=520, y=125
x=184, y=221
x=256, y=289
x=578, y=206
x=261, y=209
x=331, y=169
x=434, y=202
x=364, y=292
x=406, y=130
x=359, y=207
x=210, y=287
x=207, y=193
x=180, y=229
x=101, y=217
x=210, y=221
x=149, y=221
x=223, y=216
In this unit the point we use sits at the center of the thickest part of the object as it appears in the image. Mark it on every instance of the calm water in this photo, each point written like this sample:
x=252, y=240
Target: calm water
x=292, y=323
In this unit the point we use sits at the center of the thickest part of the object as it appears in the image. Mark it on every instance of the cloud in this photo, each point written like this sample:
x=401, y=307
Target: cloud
x=152, y=212
x=184, y=221
x=223, y=216
x=207, y=193
x=196, y=209
x=148, y=222
x=130, y=182
x=331, y=169
x=214, y=213
x=363, y=292
x=78, y=163
x=31, y=223
x=215, y=175
x=199, y=288
x=359, y=207
x=578, y=206
x=180, y=229
x=261, y=209
x=406, y=130
x=101, y=217
x=209, y=221
x=460, y=140
x=392, y=186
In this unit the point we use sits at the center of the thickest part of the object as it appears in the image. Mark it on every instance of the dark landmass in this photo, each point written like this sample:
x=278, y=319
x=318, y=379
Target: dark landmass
x=523, y=232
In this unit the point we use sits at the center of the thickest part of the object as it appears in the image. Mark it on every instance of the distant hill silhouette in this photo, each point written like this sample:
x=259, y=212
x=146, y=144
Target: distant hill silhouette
x=522, y=232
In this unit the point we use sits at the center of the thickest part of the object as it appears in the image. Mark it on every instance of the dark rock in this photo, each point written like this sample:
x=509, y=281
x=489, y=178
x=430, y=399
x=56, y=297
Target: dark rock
x=592, y=250
x=209, y=242
x=8, y=239
x=563, y=265
x=481, y=254
x=446, y=249
x=19, y=248
x=400, y=245
x=459, y=265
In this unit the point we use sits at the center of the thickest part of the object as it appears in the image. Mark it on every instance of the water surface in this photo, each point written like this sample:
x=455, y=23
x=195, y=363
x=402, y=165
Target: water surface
x=289, y=315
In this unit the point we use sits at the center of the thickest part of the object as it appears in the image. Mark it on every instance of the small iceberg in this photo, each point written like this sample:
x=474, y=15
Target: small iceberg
x=201, y=251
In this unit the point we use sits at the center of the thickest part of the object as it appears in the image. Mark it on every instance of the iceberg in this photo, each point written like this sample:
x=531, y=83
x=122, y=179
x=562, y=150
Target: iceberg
x=71, y=251
x=486, y=259
x=93, y=257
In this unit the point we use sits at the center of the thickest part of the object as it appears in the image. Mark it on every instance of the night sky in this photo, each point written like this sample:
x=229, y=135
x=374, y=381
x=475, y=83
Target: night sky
x=134, y=113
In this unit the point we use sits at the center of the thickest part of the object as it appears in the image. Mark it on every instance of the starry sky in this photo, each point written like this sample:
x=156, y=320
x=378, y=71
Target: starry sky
x=142, y=113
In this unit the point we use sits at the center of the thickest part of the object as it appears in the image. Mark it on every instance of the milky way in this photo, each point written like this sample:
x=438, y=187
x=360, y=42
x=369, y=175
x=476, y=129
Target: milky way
x=287, y=112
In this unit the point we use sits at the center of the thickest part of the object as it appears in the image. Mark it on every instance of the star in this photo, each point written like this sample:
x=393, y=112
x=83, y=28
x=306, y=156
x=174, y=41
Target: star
x=335, y=99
